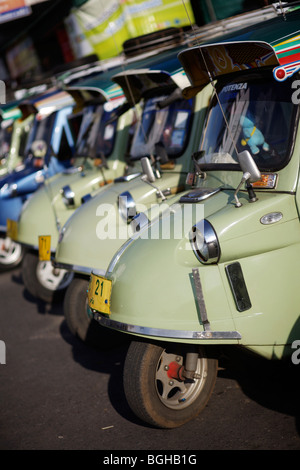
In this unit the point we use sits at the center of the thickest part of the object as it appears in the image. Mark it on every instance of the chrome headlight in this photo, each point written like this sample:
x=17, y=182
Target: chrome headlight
x=139, y=222
x=127, y=206
x=67, y=195
x=204, y=242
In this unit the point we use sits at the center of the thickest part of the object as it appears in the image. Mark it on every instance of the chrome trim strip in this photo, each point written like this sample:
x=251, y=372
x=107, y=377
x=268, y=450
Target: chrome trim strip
x=199, y=194
x=164, y=333
x=77, y=269
x=200, y=299
x=119, y=253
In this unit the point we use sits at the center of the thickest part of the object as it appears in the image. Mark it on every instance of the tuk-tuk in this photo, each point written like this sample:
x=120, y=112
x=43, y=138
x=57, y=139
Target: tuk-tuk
x=49, y=149
x=99, y=158
x=228, y=276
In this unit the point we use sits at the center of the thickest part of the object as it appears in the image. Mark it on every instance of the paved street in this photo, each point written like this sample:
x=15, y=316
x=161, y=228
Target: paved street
x=58, y=394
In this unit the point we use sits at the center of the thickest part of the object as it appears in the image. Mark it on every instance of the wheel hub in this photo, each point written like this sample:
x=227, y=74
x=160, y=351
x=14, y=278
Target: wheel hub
x=10, y=252
x=175, y=371
x=53, y=278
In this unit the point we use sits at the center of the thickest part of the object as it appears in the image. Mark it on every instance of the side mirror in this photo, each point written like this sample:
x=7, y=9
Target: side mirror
x=248, y=165
x=148, y=176
x=251, y=174
x=147, y=170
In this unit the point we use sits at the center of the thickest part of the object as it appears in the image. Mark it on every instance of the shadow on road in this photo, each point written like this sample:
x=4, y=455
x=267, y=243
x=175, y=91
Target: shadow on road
x=42, y=307
x=109, y=360
x=272, y=384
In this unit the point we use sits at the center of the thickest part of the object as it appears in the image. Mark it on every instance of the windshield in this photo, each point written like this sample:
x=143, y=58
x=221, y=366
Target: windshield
x=96, y=136
x=41, y=130
x=169, y=125
x=260, y=118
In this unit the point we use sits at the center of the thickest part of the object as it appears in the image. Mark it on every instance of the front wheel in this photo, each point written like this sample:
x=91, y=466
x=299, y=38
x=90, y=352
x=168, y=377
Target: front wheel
x=156, y=386
x=44, y=281
x=80, y=320
x=11, y=254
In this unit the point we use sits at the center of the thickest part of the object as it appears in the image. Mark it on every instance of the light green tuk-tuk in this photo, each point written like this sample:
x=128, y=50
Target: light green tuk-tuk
x=168, y=132
x=102, y=141
x=227, y=273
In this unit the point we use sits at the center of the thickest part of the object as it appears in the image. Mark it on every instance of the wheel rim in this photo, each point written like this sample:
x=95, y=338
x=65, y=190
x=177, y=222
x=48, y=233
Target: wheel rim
x=174, y=392
x=52, y=278
x=10, y=251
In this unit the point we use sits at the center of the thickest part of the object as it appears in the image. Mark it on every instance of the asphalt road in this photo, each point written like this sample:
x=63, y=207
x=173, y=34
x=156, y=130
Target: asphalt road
x=56, y=393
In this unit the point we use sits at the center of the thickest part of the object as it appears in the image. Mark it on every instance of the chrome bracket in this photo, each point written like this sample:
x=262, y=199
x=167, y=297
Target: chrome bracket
x=200, y=299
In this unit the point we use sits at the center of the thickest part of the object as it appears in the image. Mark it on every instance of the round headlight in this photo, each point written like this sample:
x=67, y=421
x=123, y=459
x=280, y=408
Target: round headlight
x=204, y=242
x=68, y=196
x=127, y=207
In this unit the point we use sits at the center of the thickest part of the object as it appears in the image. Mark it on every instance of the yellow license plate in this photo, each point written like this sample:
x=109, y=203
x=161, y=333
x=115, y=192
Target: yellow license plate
x=12, y=229
x=45, y=247
x=99, y=293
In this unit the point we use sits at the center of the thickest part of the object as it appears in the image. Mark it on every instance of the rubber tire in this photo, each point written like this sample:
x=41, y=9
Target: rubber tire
x=33, y=285
x=81, y=324
x=7, y=267
x=140, y=389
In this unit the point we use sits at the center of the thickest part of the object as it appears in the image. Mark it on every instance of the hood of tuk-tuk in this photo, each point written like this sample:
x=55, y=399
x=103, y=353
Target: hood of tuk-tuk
x=98, y=228
x=152, y=288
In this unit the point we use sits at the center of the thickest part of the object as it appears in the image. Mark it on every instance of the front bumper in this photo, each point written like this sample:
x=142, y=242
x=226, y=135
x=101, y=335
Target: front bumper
x=165, y=333
x=76, y=268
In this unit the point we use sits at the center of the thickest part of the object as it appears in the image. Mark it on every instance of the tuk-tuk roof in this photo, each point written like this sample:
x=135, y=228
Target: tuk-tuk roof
x=95, y=91
x=136, y=83
x=53, y=102
x=114, y=86
x=46, y=102
x=273, y=43
x=10, y=111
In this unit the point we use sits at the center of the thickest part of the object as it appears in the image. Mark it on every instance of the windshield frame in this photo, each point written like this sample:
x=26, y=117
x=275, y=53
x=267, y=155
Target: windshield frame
x=242, y=76
x=188, y=127
x=96, y=120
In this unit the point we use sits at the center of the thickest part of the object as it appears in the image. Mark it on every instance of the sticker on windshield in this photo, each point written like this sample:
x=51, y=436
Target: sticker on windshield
x=235, y=87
